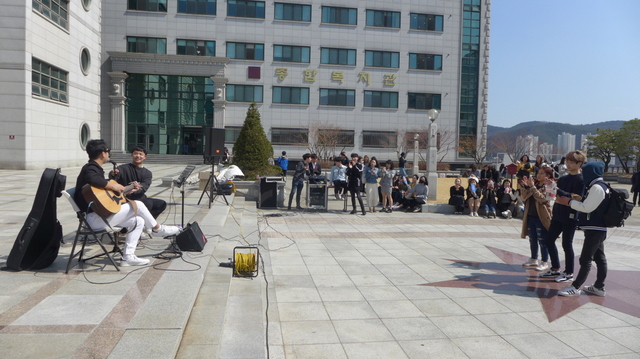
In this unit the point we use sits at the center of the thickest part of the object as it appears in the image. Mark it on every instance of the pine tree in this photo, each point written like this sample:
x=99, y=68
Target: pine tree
x=252, y=149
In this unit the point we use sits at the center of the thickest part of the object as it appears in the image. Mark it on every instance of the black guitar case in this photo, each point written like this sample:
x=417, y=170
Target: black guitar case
x=38, y=242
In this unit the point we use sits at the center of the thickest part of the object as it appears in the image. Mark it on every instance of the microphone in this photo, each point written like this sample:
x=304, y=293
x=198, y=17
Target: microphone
x=113, y=163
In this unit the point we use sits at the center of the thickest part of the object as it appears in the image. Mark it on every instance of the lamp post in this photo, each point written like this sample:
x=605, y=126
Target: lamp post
x=432, y=155
x=416, y=169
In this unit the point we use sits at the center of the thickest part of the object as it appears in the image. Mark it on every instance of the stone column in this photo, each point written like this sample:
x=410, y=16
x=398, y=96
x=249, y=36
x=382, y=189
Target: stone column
x=432, y=161
x=416, y=150
x=118, y=122
x=219, y=101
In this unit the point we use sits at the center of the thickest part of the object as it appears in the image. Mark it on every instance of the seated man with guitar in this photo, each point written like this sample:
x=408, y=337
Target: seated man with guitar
x=136, y=172
x=107, y=196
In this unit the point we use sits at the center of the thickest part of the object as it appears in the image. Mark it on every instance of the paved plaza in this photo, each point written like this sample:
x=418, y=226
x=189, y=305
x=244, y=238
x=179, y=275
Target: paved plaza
x=400, y=285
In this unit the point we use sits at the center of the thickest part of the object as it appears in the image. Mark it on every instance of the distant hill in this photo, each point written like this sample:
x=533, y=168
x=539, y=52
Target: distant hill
x=548, y=131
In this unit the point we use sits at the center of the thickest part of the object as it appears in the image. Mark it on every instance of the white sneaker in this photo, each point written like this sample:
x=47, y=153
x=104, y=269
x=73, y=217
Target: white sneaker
x=595, y=291
x=564, y=278
x=475, y=214
x=132, y=260
x=530, y=263
x=570, y=291
x=542, y=267
x=166, y=231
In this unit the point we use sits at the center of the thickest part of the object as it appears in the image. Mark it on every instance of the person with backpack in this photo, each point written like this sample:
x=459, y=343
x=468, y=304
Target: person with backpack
x=590, y=220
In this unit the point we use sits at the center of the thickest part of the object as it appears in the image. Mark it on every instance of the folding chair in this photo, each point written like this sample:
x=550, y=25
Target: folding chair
x=84, y=231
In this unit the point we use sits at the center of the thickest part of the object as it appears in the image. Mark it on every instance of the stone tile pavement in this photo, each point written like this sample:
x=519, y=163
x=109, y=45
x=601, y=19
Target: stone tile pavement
x=400, y=285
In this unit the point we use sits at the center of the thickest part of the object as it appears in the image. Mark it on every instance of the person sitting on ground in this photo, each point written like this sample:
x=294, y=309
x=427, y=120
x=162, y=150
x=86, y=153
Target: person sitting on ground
x=485, y=175
x=414, y=181
x=489, y=200
x=473, y=196
x=338, y=178
x=474, y=171
x=506, y=198
x=417, y=196
x=400, y=186
x=132, y=215
x=136, y=172
x=456, y=199
x=386, y=183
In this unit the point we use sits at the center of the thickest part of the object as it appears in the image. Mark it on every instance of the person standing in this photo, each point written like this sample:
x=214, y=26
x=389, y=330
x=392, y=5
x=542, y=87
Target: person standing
x=314, y=168
x=635, y=187
x=302, y=169
x=371, y=184
x=338, y=177
x=136, y=172
x=354, y=173
x=402, y=163
x=283, y=162
x=226, y=157
x=563, y=219
x=536, y=218
x=596, y=199
x=386, y=185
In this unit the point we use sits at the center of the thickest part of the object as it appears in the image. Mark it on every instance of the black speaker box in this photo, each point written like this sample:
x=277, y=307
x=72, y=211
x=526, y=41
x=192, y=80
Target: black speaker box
x=191, y=239
x=214, y=145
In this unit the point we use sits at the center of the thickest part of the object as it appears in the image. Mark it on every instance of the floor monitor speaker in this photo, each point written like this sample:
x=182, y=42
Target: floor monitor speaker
x=191, y=239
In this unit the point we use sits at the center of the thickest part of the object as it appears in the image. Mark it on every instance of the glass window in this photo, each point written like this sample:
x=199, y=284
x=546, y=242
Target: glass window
x=48, y=81
x=244, y=93
x=379, y=139
x=148, y=5
x=293, y=95
x=339, y=15
x=241, y=8
x=231, y=134
x=426, y=22
x=291, y=53
x=425, y=62
x=85, y=135
x=293, y=12
x=381, y=18
x=147, y=45
x=243, y=51
x=86, y=4
x=201, y=7
x=337, y=56
x=335, y=97
x=85, y=61
x=381, y=99
x=289, y=136
x=424, y=101
x=345, y=138
x=196, y=47
x=382, y=59
x=56, y=10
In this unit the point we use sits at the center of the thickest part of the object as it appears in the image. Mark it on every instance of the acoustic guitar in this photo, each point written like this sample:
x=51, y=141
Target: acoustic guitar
x=106, y=201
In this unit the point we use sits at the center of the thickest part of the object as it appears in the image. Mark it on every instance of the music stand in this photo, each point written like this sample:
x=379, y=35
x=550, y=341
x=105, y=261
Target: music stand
x=180, y=181
x=212, y=184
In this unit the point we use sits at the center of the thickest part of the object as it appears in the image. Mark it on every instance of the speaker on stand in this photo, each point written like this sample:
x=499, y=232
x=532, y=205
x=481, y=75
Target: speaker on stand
x=213, y=152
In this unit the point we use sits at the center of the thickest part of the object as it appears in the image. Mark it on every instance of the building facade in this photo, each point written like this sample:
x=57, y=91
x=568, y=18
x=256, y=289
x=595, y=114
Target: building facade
x=164, y=70
x=566, y=142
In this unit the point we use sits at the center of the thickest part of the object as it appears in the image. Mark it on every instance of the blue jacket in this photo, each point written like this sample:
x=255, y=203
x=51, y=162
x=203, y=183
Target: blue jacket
x=283, y=162
x=371, y=177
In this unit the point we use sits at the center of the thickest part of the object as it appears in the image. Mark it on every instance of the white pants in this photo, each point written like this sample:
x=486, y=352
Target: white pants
x=126, y=218
x=371, y=189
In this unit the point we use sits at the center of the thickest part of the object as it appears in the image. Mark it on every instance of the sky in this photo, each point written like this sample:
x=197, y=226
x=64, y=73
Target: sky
x=566, y=61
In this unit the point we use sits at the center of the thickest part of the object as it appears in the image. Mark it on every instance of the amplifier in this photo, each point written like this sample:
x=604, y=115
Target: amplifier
x=191, y=238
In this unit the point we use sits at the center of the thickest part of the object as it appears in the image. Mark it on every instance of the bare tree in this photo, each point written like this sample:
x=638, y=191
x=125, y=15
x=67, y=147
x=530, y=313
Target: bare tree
x=324, y=139
x=513, y=146
x=468, y=146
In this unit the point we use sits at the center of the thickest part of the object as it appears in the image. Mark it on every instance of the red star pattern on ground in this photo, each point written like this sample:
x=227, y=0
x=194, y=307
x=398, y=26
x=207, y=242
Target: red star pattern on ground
x=623, y=287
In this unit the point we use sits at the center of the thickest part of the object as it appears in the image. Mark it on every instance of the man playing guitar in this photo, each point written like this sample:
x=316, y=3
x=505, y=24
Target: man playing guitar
x=134, y=219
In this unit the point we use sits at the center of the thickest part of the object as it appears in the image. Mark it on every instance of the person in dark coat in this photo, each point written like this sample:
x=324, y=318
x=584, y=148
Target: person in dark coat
x=355, y=168
x=635, y=187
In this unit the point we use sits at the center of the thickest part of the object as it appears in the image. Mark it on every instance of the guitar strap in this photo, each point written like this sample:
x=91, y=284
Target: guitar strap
x=134, y=205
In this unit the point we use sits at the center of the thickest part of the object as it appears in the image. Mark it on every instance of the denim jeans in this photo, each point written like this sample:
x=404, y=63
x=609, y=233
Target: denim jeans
x=489, y=207
x=537, y=238
x=592, y=250
x=568, y=229
x=296, y=188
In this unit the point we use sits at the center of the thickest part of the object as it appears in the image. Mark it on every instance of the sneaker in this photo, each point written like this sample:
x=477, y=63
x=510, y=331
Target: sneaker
x=543, y=266
x=595, y=291
x=475, y=214
x=471, y=214
x=417, y=209
x=549, y=274
x=132, y=260
x=166, y=231
x=570, y=291
x=564, y=278
x=530, y=263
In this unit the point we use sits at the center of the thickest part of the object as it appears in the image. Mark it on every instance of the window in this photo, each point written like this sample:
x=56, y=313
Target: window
x=337, y=56
x=339, y=15
x=56, y=10
x=48, y=81
x=293, y=95
x=148, y=5
x=148, y=45
x=424, y=101
x=231, y=134
x=244, y=93
x=242, y=51
x=345, y=138
x=241, y=8
x=196, y=47
x=291, y=53
x=333, y=97
x=426, y=22
x=289, y=136
x=382, y=59
x=293, y=12
x=379, y=139
x=86, y=4
x=381, y=99
x=381, y=18
x=425, y=62
x=200, y=7
x=85, y=61
x=85, y=135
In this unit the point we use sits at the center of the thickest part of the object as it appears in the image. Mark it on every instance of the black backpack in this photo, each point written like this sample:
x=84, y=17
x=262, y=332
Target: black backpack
x=618, y=209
